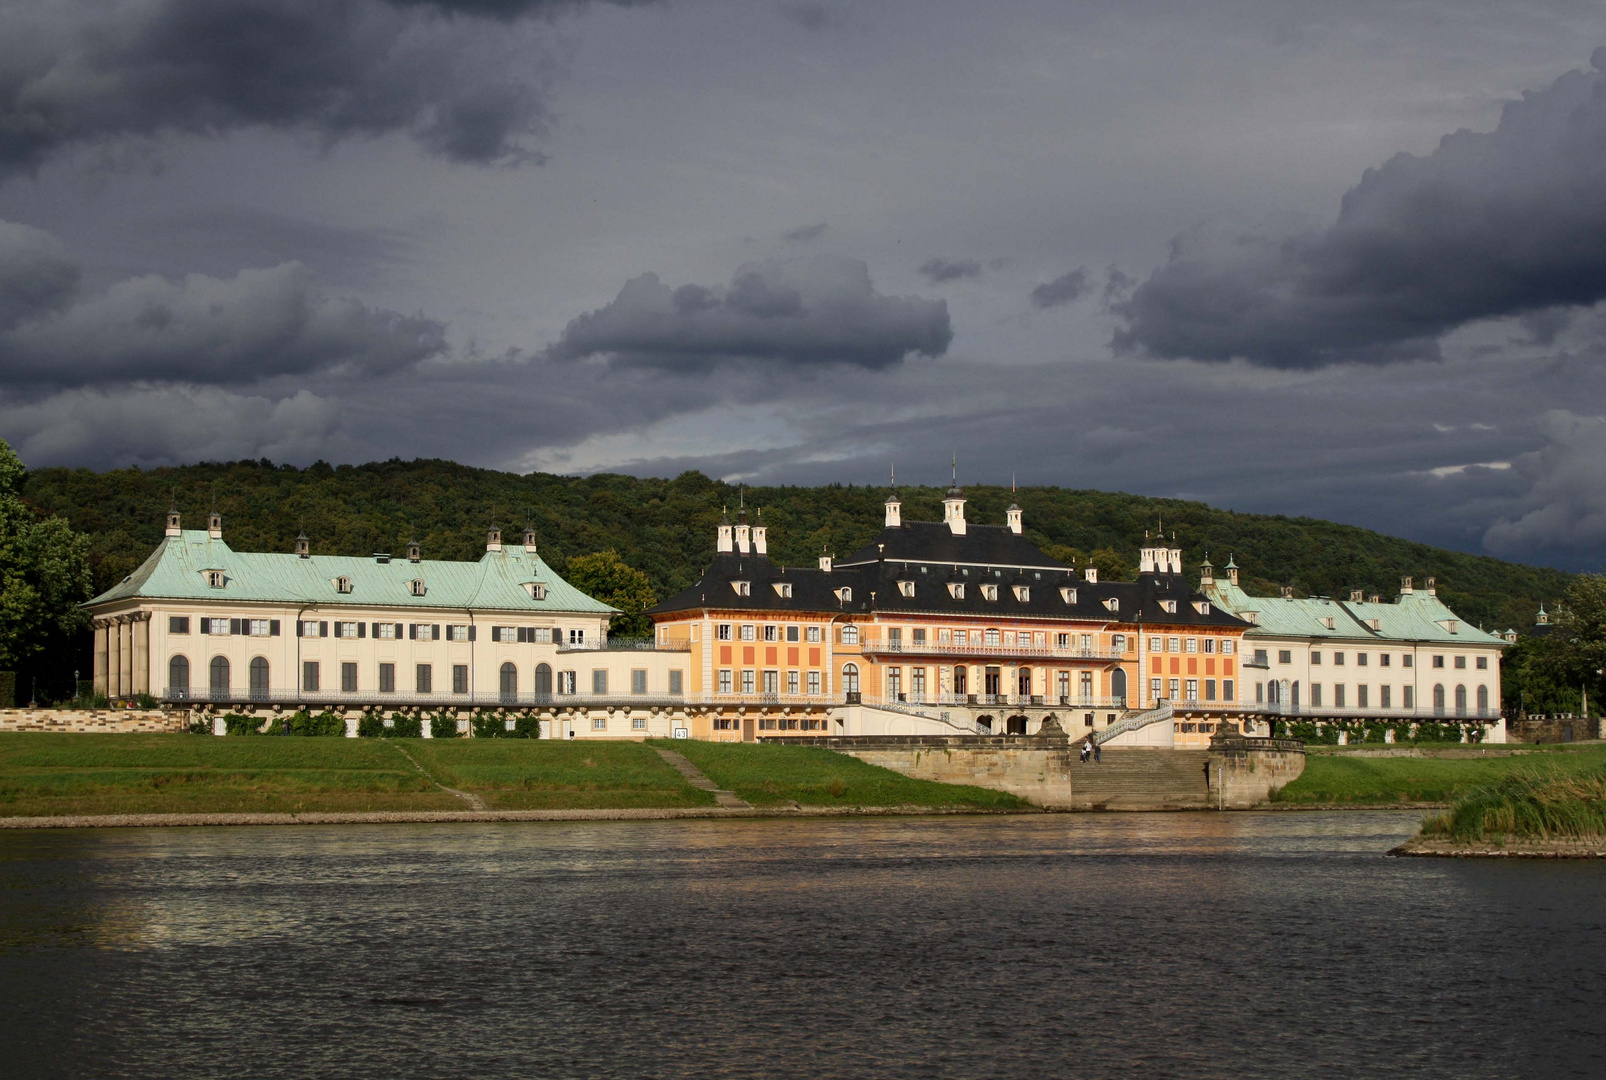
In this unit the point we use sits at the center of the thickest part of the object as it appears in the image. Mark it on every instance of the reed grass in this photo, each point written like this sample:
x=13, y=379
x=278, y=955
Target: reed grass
x=1531, y=804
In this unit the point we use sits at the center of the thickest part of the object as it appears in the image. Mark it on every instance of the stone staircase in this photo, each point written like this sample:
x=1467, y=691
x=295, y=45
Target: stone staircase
x=1139, y=778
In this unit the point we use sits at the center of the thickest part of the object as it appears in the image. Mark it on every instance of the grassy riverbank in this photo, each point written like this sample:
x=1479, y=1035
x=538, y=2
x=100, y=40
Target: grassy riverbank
x=1537, y=803
x=768, y=775
x=49, y=774
x=1348, y=778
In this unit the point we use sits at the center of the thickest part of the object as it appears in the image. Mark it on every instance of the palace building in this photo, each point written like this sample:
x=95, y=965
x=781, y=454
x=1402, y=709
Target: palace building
x=947, y=627
x=203, y=624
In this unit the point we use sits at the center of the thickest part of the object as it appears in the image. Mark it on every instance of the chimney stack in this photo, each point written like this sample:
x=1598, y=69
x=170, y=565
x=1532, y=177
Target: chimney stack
x=1433, y=587
x=303, y=545
x=743, y=532
x=1091, y=573
x=413, y=551
x=493, y=539
x=825, y=560
x=1405, y=586
x=1288, y=592
x=761, y=544
x=1355, y=596
x=174, y=528
x=529, y=539
x=214, y=525
x=722, y=543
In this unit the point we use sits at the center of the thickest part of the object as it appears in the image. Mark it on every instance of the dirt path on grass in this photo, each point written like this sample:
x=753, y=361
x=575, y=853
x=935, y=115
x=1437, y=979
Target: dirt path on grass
x=474, y=801
x=694, y=776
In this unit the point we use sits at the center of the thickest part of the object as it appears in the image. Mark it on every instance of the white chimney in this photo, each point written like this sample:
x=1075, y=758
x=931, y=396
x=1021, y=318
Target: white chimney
x=1092, y=575
x=825, y=561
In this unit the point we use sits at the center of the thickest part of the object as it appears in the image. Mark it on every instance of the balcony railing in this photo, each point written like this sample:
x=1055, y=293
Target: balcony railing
x=432, y=698
x=677, y=644
x=1335, y=712
x=879, y=647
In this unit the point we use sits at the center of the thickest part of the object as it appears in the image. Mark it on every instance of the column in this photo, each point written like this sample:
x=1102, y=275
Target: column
x=125, y=656
x=114, y=657
x=142, y=652
x=102, y=643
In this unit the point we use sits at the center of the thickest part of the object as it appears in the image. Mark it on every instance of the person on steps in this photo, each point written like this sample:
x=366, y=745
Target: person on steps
x=1096, y=754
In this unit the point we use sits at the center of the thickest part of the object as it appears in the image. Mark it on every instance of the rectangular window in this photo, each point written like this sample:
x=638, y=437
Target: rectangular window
x=772, y=682
x=1260, y=692
x=961, y=637
x=566, y=682
x=1483, y=663
x=1461, y=662
x=459, y=678
x=599, y=723
x=1209, y=645
x=638, y=723
x=599, y=680
x=1338, y=695
x=1385, y=697
x=1315, y=656
x=772, y=632
x=1438, y=661
x=677, y=682
x=747, y=682
x=722, y=632
x=385, y=631
x=1407, y=660
x=502, y=634
x=178, y=624
x=813, y=634
x=576, y=636
x=260, y=627
x=1316, y=695
x=1062, y=681
x=1360, y=659
x=1193, y=645
x=1173, y=644
x=917, y=682
x=1361, y=696
x=1383, y=659
x=1260, y=657
x=791, y=633
x=919, y=635
x=814, y=682
x=309, y=675
x=387, y=677
x=1192, y=690
x=1226, y=690
x=1228, y=648
x=749, y=632
x=1176, y=689
x=1285, y=656
x=894, y=682
x=458, y=633
x=348, y=678
x=638, y=681
x=792, y=685
x=1338, y=659
x=724, y=681
x=345, y=629
x=1407, y=696
x=1087, y=686
x=1210, y=690
x=1155, y=689
x=425, y=679
x=895, y=636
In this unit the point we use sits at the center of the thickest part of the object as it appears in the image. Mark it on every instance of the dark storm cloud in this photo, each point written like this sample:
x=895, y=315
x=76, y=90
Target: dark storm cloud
x=75, y=73
x=814, y=17
x=36, y=276
x=1062, y=290
x=940, y=270
x=255, y=325
x=1488, y=225
x=805, y=232
x=799, y=312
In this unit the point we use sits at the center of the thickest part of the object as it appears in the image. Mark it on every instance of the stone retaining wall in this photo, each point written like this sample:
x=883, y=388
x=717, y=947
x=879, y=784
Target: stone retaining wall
x=115, y=721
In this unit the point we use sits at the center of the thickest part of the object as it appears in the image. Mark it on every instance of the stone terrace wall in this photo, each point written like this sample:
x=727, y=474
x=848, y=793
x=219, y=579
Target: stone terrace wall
x=119, y=721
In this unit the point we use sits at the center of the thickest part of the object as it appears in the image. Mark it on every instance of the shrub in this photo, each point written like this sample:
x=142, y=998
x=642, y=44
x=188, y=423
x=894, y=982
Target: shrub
x=1433, y=731
x=371, y=726
x=145, y=701
x=526, y=727
x=236, y=724
x=442, y=726
x=326, y=724
x=1374, y=732
x=490, y=726
x=406, y=727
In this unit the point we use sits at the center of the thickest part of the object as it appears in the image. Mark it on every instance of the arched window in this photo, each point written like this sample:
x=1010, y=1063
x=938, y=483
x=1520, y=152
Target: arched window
x=1438, y=699
x=1460, y=700
x=510, y=682
x=1118, y=684
x=178, y=677
x=543, y=680
x=1483, y=701
x=259, y=678
x=850, y=678
x=850, y=635
x=220, y=678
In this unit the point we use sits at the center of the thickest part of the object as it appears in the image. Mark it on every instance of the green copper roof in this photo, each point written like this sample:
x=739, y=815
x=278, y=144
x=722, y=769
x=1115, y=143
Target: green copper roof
x=1415, y=616
x=177, y=571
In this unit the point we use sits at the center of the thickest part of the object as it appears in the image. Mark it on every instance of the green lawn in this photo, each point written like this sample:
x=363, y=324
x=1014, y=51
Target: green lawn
x=1345, y=778
x=768, y=775
x=543, y=774
x=52, y=773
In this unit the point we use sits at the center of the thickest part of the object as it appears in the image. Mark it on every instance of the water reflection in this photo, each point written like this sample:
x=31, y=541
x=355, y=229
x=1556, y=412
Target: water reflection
x=1163, y=944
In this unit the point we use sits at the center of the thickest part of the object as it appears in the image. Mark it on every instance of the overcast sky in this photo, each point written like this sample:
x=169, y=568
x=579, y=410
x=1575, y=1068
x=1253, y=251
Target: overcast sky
x=1346, y=260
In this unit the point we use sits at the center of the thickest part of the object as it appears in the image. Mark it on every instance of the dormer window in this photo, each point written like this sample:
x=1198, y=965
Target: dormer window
x=537, y=590
x=906, y=588
x=1170, y=606
x=416, y=586
x=1250, y=617
x=1377, y=624
x=1112, y=604
x=743, y=588
x=1202, y=607
x=844, y=594
x=989, y=592
x=1023, y=593
x=956, y=589
x=1451, y=624
x=216, y=578
x=1330, y=622
x=342, y=584
x=1068, y=595
x=783, y=589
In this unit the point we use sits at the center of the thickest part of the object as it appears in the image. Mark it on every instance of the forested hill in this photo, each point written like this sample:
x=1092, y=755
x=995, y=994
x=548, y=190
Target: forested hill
x=666, y=527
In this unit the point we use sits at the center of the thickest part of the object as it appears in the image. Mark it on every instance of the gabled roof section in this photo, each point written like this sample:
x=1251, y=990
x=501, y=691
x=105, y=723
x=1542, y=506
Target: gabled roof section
x=934, y=542
x=1414, y=617
x=177, y=569
x=812, y=590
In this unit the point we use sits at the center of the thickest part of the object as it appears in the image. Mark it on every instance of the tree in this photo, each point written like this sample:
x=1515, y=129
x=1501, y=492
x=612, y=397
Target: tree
x=1111, y=565
x=606, y=577
x=1574, y=653
x=44, y=576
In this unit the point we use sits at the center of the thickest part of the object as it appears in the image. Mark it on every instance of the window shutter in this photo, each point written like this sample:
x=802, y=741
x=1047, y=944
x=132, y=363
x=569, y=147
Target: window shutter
x=323, y=629
x=435, y=632
x=299, y=628
x=234, y=626
x=557, y=635
x=206, y=625
x=361, y=629
x=273, y=627
x=412, y=631
x=471, y=630
x=398, y=630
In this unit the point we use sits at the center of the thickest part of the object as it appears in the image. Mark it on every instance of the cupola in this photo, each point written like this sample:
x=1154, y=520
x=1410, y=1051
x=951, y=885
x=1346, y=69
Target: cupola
x=1232, y=570
x=414, y=552
x=214, y=525
x=760, y=542
x=493, y=539
x=723, y=542
x=174, y=525
x=303, y=545
x=953, y=505
x=894, y=505
x=743, y=531
x=529, y=539
x=1207, y=573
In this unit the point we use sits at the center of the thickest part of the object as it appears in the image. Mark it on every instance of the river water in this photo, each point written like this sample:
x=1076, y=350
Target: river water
x=1134, y=945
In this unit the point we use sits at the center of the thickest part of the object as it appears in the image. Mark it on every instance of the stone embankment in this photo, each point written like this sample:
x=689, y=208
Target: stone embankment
x=95, y=721
x=1508, y=848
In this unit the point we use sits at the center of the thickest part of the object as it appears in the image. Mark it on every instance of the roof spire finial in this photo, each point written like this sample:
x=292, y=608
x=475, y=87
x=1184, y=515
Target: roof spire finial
x=954, y=465
x=894, y=465
x=1013, y=490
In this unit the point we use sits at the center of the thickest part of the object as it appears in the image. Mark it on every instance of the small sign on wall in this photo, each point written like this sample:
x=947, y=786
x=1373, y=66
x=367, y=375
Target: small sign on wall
x=682, y=733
